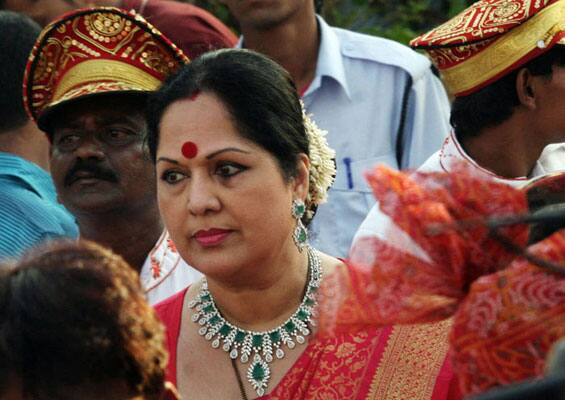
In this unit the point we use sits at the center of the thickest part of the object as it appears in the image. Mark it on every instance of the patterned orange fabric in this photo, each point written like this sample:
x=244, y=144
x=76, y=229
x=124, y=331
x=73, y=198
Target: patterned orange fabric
x=506, y=317
x=393, y=286
x=545, y=190
x=95, y=51
x=509, y=321
x=491, y=38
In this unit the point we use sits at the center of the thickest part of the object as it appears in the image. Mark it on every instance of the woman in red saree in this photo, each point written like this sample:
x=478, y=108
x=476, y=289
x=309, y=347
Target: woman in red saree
x=241, y=170
x=507, y=311
x=400, y=362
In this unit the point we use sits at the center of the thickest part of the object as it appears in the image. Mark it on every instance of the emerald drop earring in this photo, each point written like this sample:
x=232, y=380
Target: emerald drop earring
x=300, y=235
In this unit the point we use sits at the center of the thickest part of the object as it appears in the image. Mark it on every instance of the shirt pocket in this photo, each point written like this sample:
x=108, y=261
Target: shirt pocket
x=351, y=173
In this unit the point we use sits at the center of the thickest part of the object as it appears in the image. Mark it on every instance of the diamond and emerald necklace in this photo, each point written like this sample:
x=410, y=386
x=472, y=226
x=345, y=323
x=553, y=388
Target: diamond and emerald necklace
x=261, y=348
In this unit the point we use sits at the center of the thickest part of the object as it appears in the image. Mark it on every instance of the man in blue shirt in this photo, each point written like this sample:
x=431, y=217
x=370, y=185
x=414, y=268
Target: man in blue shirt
x=378, y=100
x=29, y=211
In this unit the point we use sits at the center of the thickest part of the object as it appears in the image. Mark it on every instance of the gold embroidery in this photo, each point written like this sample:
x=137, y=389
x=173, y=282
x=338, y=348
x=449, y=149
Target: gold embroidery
x=65, y=58
x=110, y=70
x=411, y=361
x=126, y=36
x=483, y=20
x=105, y=25
x=151, y=56
x=506, y=51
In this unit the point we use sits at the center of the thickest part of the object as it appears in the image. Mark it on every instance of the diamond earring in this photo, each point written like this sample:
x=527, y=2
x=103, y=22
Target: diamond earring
x=300, y=235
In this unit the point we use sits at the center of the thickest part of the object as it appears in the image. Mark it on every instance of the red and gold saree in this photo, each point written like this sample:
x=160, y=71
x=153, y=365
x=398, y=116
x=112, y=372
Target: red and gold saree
x=370, y=363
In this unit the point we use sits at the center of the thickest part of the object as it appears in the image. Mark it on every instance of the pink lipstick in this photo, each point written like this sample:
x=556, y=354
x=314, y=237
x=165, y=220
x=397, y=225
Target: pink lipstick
x=211, y=237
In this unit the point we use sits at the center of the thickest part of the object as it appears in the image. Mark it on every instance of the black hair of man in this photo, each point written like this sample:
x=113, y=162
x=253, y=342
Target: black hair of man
x=18, y=34
x=495, y=103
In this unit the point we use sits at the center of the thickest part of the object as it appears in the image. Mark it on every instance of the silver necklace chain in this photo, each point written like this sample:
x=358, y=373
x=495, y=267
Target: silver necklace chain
x=260, y=347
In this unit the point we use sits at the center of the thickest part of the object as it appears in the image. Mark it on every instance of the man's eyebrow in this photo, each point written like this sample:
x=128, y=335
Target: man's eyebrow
x=218, y=152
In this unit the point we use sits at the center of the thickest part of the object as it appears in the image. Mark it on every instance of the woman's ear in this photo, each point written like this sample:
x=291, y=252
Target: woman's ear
x=526, y=85
x=300, y=182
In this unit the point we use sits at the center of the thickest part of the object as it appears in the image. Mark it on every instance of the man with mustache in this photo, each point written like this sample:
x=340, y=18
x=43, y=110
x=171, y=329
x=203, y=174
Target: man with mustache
x=86, y=85
x=29, y=212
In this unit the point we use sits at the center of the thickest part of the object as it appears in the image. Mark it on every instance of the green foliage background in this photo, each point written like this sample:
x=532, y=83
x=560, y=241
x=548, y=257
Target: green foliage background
x=400, y=20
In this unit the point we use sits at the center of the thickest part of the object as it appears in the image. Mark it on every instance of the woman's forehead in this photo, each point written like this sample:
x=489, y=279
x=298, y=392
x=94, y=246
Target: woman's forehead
x=204, y=111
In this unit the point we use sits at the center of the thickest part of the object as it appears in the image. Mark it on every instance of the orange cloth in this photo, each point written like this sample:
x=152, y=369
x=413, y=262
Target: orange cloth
x=507, y=313
x=506, y=326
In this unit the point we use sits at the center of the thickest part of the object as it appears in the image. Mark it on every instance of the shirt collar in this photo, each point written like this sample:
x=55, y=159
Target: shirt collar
x=160, y=263
x=330, y=61
x=452, y=151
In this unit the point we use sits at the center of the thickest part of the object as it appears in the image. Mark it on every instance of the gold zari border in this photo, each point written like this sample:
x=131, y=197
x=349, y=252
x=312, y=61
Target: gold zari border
x=411, y=362
x=93, y=71
x=506, y=51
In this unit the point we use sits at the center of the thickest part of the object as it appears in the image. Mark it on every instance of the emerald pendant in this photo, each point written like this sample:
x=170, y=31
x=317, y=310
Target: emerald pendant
x=258, y=374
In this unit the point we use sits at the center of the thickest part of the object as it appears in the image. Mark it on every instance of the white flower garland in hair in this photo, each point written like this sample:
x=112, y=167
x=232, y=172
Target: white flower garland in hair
x=322, y=164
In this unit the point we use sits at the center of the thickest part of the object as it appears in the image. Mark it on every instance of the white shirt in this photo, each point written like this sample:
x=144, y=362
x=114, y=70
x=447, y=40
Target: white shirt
x=378, y=224
x=553, y=157
x=164, y=272
x=356, y=96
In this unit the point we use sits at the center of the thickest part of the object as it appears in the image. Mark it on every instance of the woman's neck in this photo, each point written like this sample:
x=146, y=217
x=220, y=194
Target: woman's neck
x=274, y=293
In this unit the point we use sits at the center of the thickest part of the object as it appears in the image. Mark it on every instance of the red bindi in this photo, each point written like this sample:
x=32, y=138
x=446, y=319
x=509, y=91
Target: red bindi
x=194, y=95
x=189, y=150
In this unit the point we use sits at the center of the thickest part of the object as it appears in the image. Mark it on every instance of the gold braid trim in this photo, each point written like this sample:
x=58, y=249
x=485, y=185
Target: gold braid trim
x=93, y=71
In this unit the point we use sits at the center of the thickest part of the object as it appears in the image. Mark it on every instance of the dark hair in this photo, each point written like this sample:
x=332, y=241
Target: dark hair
x=18, y=34
x=495, y=103
x=74, y=315
x=259, y=94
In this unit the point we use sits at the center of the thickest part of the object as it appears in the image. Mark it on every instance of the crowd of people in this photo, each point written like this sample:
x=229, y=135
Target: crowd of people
x=304, y=212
